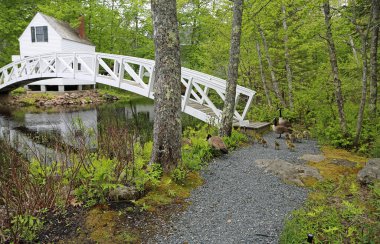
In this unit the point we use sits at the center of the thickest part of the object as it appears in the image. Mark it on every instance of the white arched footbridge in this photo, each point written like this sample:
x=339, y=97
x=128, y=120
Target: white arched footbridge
x=202, y=95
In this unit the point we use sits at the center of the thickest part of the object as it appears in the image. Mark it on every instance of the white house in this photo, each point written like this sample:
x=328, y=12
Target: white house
x=45, y=34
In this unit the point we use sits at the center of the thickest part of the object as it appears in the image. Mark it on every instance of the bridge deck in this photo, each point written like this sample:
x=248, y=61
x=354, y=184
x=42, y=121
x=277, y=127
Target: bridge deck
x=255, y=126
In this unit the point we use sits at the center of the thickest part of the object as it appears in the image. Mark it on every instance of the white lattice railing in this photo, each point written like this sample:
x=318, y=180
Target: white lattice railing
x=201, y=92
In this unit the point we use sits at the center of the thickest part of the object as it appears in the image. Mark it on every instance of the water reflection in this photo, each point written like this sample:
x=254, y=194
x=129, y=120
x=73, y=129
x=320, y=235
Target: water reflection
x=22, y=128
x=34, y=133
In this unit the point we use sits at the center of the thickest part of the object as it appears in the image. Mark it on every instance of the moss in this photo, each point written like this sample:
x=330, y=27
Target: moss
x=101, y=223
x=332, y=171
x=309, y=181
x=334, y=153
x=168, y=192
x=127, y=237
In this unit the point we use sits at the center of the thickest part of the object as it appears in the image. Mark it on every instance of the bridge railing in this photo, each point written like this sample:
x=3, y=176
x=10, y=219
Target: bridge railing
x=199, y=98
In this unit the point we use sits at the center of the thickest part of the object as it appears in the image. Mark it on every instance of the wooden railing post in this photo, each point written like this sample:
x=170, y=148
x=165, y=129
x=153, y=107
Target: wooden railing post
x=187, y=94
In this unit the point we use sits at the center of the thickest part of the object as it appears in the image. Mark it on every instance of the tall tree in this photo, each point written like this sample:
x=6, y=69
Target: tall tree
x=289, y=75
x=262, y=74
x=363, y=33
x=334, y=67
x=167, y=89
x=276, y=86
x=233, y=70
x=373, y=56
x=359, y=124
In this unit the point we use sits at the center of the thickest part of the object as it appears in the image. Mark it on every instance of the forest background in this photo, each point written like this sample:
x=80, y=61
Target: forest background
x=284, y=53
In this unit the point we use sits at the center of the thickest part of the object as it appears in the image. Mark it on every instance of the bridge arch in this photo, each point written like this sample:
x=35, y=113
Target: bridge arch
x=130, y=74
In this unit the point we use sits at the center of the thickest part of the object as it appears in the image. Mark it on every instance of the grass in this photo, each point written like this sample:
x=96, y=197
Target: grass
x=338, y=209
x=123, y=95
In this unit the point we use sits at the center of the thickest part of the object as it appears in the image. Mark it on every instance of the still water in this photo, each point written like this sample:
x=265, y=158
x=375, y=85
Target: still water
x=20, y=127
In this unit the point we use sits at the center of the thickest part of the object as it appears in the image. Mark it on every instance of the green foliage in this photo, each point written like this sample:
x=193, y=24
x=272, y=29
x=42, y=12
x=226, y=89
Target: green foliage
x=336, y=213
x=196, y=155
x=375, y=152
x=179, y=175
x=235, y=140
x=96, y=181
x=27, y=226
x=18, y=91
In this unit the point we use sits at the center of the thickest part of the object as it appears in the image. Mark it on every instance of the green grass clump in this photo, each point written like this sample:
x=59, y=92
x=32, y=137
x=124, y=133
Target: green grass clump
x=19, y=91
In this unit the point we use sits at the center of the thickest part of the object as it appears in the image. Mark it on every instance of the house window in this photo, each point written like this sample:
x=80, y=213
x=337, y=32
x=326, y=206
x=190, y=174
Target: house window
x=39, y=34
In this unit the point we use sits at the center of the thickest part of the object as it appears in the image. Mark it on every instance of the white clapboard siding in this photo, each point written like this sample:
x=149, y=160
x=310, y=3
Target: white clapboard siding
x=29, y=48
x=73, y=47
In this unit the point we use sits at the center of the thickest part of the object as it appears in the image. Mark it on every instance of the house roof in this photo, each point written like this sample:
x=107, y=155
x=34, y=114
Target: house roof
x=65, y=30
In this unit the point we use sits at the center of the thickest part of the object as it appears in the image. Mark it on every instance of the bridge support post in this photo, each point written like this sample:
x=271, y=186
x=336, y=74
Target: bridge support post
x=61, y=88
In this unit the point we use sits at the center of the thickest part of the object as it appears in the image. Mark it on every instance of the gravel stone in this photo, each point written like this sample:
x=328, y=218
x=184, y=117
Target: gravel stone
x=240, y=202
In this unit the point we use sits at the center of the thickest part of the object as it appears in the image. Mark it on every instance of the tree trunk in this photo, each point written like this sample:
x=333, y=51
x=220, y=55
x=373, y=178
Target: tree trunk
x=287, y=60
x=364, y=92
x=273, y=76
x=373, y=57
x=352, y=44
x=266, y=90
x=167, y=88
x=334, y=67
x=233, y=70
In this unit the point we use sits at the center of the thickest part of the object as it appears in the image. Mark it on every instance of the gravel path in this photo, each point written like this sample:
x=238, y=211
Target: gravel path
x=239, y=202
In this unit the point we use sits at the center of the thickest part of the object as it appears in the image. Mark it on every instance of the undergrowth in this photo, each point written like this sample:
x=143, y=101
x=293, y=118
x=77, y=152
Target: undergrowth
x=82, y=177
x=338, y=209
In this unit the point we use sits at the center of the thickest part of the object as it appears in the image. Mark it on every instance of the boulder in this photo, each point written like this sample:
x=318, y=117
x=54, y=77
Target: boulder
x=297, y=174
x=370, y=172
x=316, y=158
x=126, y=193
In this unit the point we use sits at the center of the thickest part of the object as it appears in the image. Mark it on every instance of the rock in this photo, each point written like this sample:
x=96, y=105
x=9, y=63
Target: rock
x=370, y=172
x=108, y=97
x=126, y=193
x=343, y=162
x=49, y=103
x=289, y=172
x=316, y=158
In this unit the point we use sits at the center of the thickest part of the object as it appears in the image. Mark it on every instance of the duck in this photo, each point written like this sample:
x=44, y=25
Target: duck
x=306, y=135
x=290, y=145
x=217, y=143
x=264, y=142
x=282, y=121
x=276, y=145
x=280, y=129
x=293, y=137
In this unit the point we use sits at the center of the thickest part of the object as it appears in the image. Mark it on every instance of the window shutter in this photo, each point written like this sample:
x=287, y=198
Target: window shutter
x=33, y=34
x=45, y=33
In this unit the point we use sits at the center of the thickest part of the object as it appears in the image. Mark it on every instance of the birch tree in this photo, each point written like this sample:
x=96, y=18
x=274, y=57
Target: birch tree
x=276, y=86
x=334, y=67
x=287, y=58
x=167, y=89
x=233, y=68
x=262, y=74
x=373, y=56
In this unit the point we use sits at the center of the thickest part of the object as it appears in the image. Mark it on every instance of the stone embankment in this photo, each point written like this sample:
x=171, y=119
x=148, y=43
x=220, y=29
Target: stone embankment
x=59, y=99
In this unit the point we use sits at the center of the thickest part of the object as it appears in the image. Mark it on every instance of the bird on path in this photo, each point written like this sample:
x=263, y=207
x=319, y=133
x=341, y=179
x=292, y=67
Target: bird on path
x=217, y=143
x=282, y=121
x=280, y=129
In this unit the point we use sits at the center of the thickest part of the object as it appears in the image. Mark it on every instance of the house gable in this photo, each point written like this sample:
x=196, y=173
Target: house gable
x=29, y=48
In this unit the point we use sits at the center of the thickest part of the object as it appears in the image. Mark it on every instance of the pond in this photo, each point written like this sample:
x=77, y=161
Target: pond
x=36, y=132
